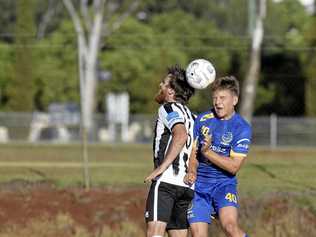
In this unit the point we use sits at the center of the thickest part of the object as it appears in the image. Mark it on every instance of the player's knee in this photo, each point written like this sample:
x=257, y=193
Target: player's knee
x=198, y=232
x=231, y=228
x=156, y=229
x=151, y=234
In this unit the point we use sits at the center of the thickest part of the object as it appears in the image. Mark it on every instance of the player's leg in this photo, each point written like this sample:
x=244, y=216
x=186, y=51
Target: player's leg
x=178, y=224
x=159, y=206
x=156, y=228
x=228, y=217
x=178, y=233
x=226, y=205
x=199, y=229
x=199, y=214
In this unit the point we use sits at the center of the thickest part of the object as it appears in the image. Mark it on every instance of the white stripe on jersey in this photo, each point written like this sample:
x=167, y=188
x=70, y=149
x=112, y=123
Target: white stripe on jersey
x=169, y=115
x=242, y=140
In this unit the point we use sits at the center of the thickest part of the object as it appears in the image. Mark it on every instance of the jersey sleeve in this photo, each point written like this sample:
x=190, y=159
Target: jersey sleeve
x=240, y=147
x=170, y=116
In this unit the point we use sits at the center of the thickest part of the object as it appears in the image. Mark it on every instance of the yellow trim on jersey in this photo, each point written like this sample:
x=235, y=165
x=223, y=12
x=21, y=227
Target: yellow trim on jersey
x=205, y=130
x=235, y=154
x=207, y=116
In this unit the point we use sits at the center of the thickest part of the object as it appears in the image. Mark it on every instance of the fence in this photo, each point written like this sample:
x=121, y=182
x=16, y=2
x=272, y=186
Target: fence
x=270, y=131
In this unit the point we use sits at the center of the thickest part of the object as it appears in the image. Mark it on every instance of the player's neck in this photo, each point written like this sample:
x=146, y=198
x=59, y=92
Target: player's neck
x=228, y=116
x=170, y=100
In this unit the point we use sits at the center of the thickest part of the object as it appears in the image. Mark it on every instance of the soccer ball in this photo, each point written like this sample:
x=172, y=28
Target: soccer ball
x=200, y=73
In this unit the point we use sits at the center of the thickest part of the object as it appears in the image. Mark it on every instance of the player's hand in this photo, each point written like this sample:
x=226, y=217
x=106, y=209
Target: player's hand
x=206, y=144
x=189, y=178
x=153, y=175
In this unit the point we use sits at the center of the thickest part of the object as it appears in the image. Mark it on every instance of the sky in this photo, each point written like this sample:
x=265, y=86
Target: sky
x=307, y=2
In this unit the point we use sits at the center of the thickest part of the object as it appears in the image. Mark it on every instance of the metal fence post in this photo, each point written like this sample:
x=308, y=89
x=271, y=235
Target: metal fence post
x=273, y=131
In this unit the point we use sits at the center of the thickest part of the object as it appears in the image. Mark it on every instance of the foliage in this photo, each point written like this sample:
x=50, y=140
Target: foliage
x=6, y=71
x=132, y=58
x=57, y=76
x=223, y=13
x=309, y=60
x=146, y=49
x=7, y=20
x=22, y=99
x=138, y=53
x=282, y=80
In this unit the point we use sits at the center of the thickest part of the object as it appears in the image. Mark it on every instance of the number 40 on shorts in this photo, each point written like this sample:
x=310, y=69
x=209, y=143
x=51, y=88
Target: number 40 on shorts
x=231, y=197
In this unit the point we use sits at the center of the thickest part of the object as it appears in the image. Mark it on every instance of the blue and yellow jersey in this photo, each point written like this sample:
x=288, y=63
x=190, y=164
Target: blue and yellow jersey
x=230, y=138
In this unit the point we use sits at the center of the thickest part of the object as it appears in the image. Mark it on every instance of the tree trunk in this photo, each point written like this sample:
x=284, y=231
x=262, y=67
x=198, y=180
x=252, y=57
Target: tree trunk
x=250, y=84
x=89, y=32
x=88, y=47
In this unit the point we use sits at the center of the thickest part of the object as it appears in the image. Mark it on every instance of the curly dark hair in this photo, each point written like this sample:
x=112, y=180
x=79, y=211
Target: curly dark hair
x=178, y=82
x=226, y=83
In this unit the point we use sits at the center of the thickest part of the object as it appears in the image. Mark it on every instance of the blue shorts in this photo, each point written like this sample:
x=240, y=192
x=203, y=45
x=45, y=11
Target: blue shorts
x=208, y=199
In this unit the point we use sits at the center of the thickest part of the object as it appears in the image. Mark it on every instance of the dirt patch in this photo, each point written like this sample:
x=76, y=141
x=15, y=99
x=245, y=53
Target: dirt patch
x=21, y=202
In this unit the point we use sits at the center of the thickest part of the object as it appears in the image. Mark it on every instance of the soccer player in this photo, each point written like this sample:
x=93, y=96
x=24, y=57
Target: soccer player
x=221, y=142
x=169, y=196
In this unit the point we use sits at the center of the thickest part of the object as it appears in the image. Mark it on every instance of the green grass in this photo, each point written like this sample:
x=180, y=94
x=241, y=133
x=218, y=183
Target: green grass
x=62, y=165
x=284, y=170
x=279, y=171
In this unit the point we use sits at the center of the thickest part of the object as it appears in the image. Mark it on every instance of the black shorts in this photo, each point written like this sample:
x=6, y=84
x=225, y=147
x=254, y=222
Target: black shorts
x=168, y=203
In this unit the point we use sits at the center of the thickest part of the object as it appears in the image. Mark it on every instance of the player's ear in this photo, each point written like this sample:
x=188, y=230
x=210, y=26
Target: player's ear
x=171, y=91
x=235, y=100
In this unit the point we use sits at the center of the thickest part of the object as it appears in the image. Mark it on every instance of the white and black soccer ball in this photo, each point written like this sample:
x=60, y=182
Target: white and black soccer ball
x=200, y=73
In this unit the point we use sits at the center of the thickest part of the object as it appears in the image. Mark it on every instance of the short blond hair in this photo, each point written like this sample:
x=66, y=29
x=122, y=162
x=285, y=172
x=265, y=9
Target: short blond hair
x=226, y=83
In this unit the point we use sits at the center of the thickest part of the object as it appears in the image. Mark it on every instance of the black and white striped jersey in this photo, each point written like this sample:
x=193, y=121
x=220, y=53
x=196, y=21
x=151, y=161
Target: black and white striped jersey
x=169, y=115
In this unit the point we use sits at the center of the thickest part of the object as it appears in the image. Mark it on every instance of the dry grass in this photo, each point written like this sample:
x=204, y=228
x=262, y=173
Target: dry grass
x=64, y=226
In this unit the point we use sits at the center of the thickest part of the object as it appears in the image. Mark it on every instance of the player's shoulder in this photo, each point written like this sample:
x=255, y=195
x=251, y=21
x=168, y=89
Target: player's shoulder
x=202, y=117
x=170, y=111
x=166, y=108
x=241, y=123
x=169, y=107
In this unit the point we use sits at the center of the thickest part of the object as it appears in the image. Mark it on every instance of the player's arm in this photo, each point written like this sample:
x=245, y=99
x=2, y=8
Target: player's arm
x=179, y=137
x=190, y=177
x=231, y=164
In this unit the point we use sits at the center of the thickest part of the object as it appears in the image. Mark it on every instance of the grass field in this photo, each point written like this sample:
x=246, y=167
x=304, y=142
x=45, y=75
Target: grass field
x=284, y=170
x=273, y=181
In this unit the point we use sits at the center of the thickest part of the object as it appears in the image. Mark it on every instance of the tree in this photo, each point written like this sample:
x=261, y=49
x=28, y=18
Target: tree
x=310, y=86
x=140, y=51
x=89, y=23
x=48, y=14
x=7, y=20
x=57, y=57
x=90, y=26
x=21, y=87
x=281, y=86
x=6, y=72
x=252, y=77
